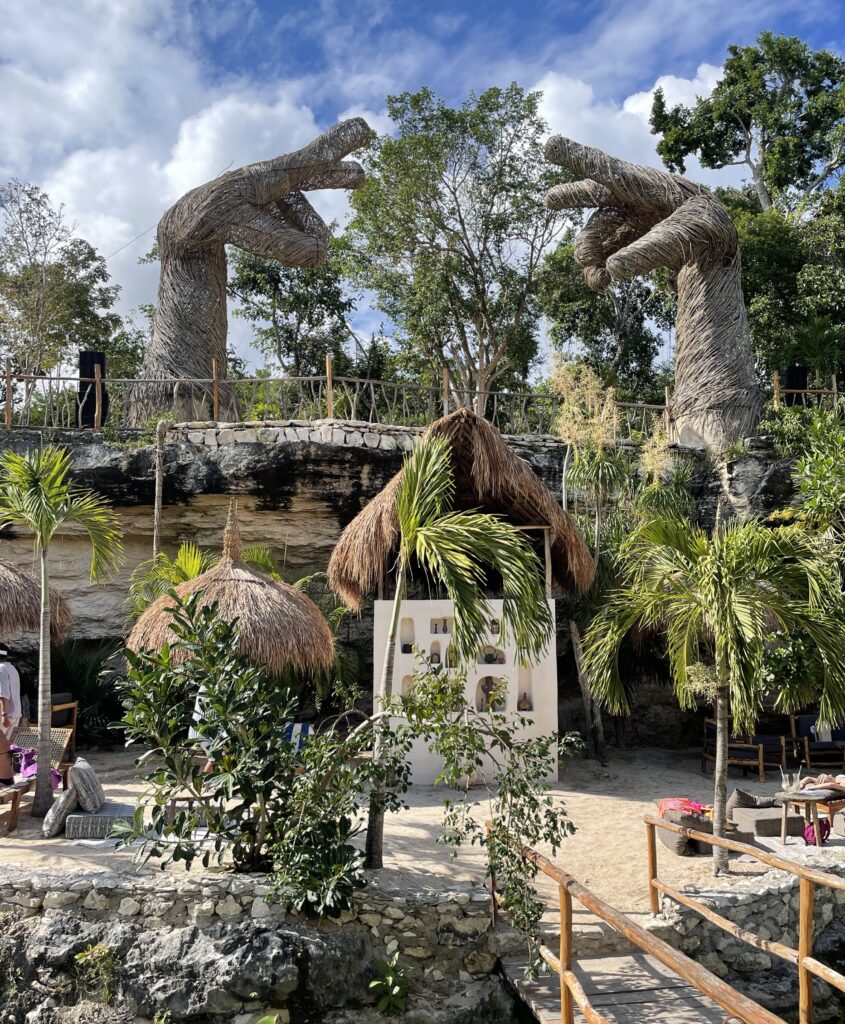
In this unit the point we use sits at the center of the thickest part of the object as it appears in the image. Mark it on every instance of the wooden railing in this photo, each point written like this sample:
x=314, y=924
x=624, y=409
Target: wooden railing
x=811, y=397
x=808, y=879
x=65, y=402
x=572, y=993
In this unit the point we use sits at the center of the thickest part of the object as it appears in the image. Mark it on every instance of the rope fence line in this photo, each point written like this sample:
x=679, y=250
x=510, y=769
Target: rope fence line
x=77, y=403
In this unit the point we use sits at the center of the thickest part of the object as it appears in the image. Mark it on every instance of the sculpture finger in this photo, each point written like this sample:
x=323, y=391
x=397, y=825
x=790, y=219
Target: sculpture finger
x=629, y=183
x=577, y=195
x=263, y=182
x=346, y=174
x=295, y=211
x=700, y=226
x=605, y=232
x=264, y=234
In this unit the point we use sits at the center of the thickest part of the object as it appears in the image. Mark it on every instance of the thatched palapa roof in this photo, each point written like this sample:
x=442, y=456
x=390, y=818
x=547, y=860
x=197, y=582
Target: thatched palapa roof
x=279, y=626
x=488, y=476
x=20, y=604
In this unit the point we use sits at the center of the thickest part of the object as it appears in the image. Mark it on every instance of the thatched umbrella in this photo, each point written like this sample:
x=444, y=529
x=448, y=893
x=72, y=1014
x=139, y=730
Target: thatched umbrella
x=280, y=627
x=20, y=604
x=489, y=476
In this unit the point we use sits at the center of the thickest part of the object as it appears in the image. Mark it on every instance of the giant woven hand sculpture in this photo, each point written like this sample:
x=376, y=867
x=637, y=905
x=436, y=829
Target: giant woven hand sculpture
x=645, y=219
x=260, y=208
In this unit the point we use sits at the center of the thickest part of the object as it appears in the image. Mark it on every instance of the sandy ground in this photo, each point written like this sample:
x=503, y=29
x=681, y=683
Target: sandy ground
x=607, y=852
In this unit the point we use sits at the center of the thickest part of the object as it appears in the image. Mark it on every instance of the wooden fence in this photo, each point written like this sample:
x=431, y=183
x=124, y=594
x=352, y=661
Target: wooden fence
x=812, y=397
x=808, y=879
x=69, y=403
x=572, y=993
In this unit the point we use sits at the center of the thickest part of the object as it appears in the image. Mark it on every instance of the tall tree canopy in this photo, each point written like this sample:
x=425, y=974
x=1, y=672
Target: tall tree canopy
x=299, y=314
x=55, y=293
x=616, y=332
x=779, y=110
x=450, y=230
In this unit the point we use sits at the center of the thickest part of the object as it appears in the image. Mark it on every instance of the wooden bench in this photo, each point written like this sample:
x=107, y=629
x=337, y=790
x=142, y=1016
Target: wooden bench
x=27, y=737
x=11, y=795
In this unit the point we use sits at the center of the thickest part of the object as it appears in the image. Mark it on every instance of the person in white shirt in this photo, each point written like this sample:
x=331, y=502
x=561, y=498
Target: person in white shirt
x=10, y=714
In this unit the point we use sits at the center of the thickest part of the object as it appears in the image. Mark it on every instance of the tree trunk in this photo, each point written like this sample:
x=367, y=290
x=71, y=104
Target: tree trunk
x=43, y=799
x=720, y=779
x=596, y=746
x=374, y=848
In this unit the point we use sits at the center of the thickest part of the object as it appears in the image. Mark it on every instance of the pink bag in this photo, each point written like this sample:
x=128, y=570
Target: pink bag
x=810, y=833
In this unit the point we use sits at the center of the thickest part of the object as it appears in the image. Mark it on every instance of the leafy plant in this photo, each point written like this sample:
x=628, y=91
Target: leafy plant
x=717, y=600
x=99, y=967
x=89, y=672
x=391, y=986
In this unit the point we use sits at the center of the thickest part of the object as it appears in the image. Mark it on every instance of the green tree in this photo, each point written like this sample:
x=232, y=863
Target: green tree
x=615, y=332
x=299, y=315
x=717, y=599
x=454, y=548
x=37, y=495
x=449, y=231
x=54, y=287
x=779, y=110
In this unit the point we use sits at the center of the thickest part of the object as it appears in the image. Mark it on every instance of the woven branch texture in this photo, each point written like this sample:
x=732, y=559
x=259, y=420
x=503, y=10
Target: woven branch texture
x=260, y=208
x=644, y=219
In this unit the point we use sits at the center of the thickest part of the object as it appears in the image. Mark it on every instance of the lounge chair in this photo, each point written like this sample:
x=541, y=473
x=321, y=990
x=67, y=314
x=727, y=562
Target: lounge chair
x=65, y=714
x=27, y=737
x=814, y=751
x=758, y=753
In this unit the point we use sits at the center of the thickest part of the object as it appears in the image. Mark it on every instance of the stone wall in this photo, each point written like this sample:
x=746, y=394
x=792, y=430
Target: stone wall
x=213, y=947
x=767, y=906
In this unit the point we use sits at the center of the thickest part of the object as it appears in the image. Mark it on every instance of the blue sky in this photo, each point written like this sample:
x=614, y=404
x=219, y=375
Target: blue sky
x=116, y=107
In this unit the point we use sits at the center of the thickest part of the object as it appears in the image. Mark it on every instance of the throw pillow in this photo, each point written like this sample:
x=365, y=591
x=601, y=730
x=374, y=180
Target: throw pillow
x=88, y=787
x=64, y=804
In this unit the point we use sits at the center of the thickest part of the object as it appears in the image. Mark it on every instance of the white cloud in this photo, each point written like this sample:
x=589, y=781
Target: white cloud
x=571, y=108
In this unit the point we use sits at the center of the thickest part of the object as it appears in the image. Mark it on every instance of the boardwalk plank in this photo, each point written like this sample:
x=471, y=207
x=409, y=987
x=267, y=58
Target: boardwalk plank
x=634, y=989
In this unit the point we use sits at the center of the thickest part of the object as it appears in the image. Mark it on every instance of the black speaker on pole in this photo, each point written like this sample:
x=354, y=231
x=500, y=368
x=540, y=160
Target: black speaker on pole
x=87, y=389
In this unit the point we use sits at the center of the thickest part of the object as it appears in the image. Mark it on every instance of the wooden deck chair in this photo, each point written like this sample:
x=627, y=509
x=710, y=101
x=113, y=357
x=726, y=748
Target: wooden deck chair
x=60, y=744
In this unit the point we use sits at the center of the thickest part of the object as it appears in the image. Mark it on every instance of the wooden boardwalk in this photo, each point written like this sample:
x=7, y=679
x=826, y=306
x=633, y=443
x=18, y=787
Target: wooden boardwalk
x=627, y=989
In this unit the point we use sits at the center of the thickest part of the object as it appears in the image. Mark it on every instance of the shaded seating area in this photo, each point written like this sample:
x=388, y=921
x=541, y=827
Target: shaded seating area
x=759, y=753
x=816, y=747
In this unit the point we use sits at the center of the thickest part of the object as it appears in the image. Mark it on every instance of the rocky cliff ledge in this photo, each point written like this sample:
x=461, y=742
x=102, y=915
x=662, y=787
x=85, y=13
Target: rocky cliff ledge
x=299, y=484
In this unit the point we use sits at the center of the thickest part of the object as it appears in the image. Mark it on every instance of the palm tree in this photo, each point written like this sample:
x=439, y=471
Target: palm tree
x=717, y=599
x=454, y=548
x=36, y=495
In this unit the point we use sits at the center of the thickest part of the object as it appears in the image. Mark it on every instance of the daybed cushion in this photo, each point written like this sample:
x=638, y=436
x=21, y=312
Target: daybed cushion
x=63, y=805
x=679, y=844
x=88, y=787
x=100, y=824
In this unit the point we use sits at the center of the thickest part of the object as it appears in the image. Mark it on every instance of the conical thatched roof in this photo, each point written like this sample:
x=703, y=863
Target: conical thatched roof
x=20, y=604
x=488, y=476
x=280, y=627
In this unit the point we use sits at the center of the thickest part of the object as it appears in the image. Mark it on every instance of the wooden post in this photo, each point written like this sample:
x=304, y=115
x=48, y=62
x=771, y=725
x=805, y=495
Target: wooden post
x=565, y=954
x=98, y=396
x=651, y=846
x=547, y=543
x=834, y=388
x=329, y=387
x=446, y=389
x=805, y=949
x=215, y=391
x=667, y=415
x=161, y=432
x=776, y=388
x=10, y=394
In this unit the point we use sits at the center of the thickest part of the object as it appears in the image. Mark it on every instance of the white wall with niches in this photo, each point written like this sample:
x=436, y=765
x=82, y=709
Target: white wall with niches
x=428, y=626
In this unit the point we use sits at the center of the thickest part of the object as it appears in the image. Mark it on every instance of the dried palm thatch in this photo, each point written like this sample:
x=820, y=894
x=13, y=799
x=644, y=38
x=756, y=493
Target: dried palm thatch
x=644, y=219
x=20, y=604
x=280, y=627
x=488, y=475
x=261, y=208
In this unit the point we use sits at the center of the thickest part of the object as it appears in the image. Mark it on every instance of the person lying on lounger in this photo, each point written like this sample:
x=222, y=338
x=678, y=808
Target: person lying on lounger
x=824, y=781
